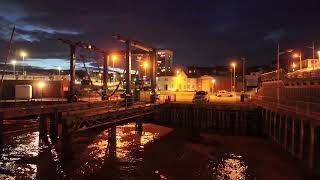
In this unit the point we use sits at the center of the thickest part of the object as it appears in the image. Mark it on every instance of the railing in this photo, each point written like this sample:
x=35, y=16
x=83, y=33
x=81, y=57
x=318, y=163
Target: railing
x=303, y=107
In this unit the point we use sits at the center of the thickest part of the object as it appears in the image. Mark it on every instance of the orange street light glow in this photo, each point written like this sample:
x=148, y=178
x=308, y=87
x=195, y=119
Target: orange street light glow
x=114, y=57
x=294, y=65
x=41, y=84
x=233, y=64
x=145, y=64
x=213, y=81
x=178, y=71
x=23, y=54
x=296, y=55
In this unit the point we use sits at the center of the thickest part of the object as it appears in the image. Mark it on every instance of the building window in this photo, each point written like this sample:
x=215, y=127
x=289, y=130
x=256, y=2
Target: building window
x=166, y=87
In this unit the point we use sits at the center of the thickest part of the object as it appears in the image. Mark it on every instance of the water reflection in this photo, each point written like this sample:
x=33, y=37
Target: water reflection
x=18, y=156
x=231, y=167
x=118, y=145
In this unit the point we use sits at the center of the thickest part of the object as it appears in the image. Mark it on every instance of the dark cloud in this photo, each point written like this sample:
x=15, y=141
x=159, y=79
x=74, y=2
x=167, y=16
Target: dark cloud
x=203, y=32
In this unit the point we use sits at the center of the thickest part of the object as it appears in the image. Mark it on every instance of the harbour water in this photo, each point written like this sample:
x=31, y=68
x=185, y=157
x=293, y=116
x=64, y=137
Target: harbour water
x=158, y=152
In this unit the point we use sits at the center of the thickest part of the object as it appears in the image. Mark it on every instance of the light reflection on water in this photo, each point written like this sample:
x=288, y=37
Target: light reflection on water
x=127, y=141
x=100, y=155
x=15, y=148
x=230, y=167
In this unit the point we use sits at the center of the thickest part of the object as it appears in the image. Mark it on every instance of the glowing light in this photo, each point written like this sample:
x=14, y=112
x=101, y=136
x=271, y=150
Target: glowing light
x=178, y=72
x=233, y=64
x=294, y=65
x=13, y=62
x=213, y=81
x=319, y=53
x=296, y=55
x=59, y=68
x=23, y=54
x=145, y=64
x=114, y=57
x=41, y=84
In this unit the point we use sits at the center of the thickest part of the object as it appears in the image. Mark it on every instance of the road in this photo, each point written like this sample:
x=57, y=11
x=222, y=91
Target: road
x=187, y=97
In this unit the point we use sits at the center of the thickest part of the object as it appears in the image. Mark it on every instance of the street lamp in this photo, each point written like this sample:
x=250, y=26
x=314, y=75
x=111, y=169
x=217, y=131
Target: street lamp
x=59, y=69
x=213, y=81
x=318, y=58
x=14, y=62
x=294, y=66
x=41, y=85
x=296, y=55
x=100, y=75
x=234, y=75
x=145, y=65
x=114, y=58
x=23, y=54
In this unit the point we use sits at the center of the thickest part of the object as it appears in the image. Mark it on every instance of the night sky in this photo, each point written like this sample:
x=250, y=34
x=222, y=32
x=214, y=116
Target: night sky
x=198, y=31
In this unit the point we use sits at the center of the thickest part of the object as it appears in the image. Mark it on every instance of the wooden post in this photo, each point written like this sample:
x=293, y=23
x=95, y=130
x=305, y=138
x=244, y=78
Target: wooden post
x=311, y=148
x=301, y=140
x=54, y=119
x=292, y=136
x=139, y=125
x=66, y=152
x=285, y=137
x=43, y=130
x=274, y=126
x=280, y=129
x=112, y=140
x=270, y=124
x=1, y=131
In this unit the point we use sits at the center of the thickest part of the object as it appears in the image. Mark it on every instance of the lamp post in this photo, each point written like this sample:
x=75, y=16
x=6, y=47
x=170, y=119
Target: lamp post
x=114, y=58
x=14, y=62
x=41, y=85
x=59, y=69
x=23, y=54
x=213, y=81
x=300, y=58
x=100, y=75
x=145, y=65
x=294, y=66
x=243, y=73
x=234, y=75
x=318, y=58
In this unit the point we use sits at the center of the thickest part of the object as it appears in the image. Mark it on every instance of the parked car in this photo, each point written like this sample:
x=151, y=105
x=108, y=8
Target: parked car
x=224, y=93
x=200, y=97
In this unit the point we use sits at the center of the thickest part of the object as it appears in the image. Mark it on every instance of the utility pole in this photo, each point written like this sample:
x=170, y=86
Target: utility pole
x=278, y=73
x=313, y=55
x=243, y=73
x=105, y=76
x=231, y=87
x=128, y=66
x=72, y=72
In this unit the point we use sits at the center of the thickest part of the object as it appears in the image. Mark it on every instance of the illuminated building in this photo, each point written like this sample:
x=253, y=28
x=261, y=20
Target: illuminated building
x=164, y=62
x=176, y=81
